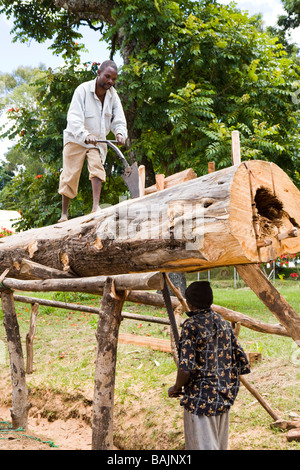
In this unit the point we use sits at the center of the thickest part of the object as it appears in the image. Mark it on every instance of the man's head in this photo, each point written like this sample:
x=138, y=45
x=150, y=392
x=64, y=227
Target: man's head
x=107, y=74
x=199, y=295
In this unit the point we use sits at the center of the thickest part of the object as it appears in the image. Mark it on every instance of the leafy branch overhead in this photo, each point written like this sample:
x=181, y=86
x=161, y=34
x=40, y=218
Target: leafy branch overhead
x=193, y=72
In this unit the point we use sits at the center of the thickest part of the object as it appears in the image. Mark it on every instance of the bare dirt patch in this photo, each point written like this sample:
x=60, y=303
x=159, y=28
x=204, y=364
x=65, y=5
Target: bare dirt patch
x=143, y=419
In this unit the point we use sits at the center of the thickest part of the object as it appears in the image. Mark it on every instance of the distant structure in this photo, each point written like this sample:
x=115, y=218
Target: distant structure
x=8, y=218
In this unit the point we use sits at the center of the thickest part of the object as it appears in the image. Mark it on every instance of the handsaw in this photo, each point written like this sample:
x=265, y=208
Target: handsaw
x=131, y=173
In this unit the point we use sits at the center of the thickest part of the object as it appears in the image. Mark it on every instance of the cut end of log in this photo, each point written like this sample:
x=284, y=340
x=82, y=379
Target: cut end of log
x=264, y=211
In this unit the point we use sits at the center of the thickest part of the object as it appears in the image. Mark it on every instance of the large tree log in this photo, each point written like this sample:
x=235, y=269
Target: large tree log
x=223, y=218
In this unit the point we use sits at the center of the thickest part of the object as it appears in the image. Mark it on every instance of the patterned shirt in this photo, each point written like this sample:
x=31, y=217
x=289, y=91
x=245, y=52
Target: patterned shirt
x=209, y=350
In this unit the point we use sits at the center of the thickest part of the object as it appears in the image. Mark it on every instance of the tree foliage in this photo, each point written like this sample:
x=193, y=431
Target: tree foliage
x=292, y=18
x=193, y=72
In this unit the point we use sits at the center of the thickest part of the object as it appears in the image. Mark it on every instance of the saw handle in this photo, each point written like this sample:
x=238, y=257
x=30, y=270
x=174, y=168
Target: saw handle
x=111, y=144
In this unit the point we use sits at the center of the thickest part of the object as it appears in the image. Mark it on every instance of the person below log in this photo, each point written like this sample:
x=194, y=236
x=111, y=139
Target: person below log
x=95, y=110
x=210, y=362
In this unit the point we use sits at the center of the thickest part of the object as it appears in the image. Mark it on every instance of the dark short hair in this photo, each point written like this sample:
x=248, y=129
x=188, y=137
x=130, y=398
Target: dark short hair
x=199, y=294
x=108, y=63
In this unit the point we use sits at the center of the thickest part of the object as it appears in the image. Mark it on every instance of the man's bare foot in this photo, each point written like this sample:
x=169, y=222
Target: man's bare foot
x=63, y=218
x=96, y=209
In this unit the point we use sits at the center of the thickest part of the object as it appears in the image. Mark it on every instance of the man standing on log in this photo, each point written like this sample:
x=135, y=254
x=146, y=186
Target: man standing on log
x=210, y=362
x=95, y=110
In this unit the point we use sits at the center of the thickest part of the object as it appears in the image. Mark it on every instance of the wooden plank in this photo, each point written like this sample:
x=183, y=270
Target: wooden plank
x=293, y=435
x=173, y=180
x=157, y=344
x=211, y=167
x=160, y=182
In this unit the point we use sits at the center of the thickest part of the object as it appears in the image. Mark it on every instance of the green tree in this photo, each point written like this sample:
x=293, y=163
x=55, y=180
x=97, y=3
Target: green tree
x=39, y=127
x=292, y=19
x=213, y=70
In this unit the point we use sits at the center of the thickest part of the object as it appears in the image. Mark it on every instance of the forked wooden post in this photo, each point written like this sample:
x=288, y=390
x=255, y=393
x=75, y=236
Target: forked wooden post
x=107, y=342
x=20, y=405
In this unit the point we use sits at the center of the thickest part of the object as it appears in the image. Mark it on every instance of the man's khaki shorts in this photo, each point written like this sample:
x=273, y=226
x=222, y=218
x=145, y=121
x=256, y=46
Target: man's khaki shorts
x=73, y=159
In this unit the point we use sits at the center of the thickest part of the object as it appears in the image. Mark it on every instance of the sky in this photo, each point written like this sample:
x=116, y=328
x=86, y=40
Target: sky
x=15, y=54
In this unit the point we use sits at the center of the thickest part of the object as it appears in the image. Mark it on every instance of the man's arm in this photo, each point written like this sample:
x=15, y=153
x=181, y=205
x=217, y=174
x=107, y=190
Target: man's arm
x=118, y=123
x=181, y=379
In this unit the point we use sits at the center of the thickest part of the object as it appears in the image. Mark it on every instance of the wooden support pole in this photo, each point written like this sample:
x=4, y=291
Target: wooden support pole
x=259, y=398
x=270, y=296
x=160, y=182
x=20, y=405
x=142, y=180
x=252, y=389
x=92, y=285
x=151, y=298
x=211, y=167
x=235, y=148
x=107, y=342
x=30, y=337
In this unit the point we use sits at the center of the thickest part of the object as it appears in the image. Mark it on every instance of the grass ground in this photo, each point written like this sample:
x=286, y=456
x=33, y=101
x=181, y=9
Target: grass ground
x=145, y=418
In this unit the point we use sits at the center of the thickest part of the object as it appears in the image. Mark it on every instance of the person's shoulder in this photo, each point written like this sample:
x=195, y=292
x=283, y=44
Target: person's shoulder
x=113, y=93
x=191, y=322
x=84, y=86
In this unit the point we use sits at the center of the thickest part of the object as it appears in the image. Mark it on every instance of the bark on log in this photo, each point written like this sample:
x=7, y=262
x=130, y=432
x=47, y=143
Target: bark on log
x=20, y=405
x=30, y=270
x=215, y=220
